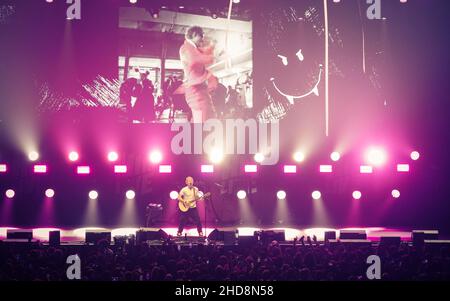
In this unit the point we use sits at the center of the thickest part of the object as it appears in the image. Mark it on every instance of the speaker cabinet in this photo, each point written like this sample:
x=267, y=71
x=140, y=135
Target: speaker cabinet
x=93, y=237
x=19, y=234
x=390, y=240
x=419, y=236
x=271, y=235
x=247, y=241
x=54, y=238
x=329, y=235
x=146, y=234
x=228, y=237
x=352, y=234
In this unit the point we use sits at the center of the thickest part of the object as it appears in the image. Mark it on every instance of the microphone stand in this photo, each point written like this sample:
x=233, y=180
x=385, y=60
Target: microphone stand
x=204, y=233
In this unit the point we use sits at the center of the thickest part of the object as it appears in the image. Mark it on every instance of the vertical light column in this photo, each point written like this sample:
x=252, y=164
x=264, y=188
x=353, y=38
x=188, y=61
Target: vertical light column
x=325, y=11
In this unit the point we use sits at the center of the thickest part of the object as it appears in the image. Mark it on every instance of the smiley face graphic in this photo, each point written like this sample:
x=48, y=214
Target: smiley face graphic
x=296, y=67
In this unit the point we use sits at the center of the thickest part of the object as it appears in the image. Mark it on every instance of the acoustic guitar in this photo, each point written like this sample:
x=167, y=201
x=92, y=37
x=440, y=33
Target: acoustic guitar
x=186, y=205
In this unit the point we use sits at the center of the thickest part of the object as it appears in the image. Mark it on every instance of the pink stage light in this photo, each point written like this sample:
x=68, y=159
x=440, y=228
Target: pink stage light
x=281, y=194
x=10, y=193
x=258, y=157
x=207, y=168
x=40, y=168
x=155, y=157
x=113, y=156
x=299, y=157
x=395, y=193
x=173, y=195
x=49, y=193
x=250, y=168
x=215, y=156
x=316, y=194
x=83, y=170
x=365, y=169
x=120, y=169
x=73, y=156
x=356, y=194
x=290, y=169
x=376, y=156
x=3, y=168
x=335, y=156
x=33, y=156
x=415, y=155
x=165, y=168
x=403, y=167
x=241, y=194
x=326, y=168
x=130, y=194
x=93, y=194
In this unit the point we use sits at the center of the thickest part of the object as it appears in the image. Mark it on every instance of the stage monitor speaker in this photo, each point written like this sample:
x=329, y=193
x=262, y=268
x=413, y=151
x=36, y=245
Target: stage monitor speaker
x=19, y=234
x=228, y=237
x=329, y=235
x=94, y=236
x=270, y=235
x=352, y=234
x=247, y=241
x=216, y=235
x=356, y=242
x=419, y=236
x=146, y=234
x=390, y=240
x=54, y=238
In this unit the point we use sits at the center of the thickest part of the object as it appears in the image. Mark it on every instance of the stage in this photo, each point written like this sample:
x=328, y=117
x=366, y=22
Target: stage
x=374, y=234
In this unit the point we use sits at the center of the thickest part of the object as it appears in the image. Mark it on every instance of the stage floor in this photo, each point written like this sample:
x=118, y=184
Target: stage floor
x=77, y=235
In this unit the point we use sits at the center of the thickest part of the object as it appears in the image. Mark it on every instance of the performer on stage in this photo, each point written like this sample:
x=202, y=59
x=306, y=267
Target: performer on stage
x=127, y=91
x=144, y=108
x=188, y=197
x=195, y=56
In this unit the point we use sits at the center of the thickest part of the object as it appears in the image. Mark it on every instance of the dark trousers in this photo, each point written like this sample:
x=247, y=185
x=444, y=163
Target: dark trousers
x=192, y=214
